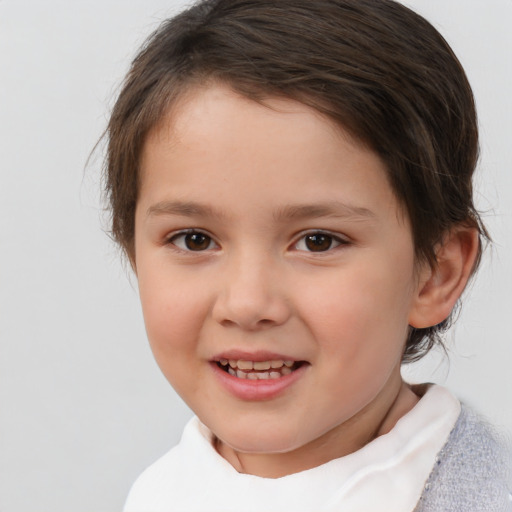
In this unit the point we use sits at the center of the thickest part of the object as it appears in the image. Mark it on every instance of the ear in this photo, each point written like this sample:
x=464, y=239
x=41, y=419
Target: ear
x=440, y=287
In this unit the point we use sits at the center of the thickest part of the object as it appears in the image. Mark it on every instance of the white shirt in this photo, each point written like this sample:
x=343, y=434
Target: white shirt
x=388, y=473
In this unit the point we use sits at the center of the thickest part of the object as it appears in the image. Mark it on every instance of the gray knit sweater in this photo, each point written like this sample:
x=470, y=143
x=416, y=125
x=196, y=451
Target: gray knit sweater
x=472, y=472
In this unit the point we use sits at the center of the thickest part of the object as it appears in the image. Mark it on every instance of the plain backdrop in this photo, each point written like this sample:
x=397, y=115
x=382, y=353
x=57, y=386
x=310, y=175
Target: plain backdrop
x=83, y=407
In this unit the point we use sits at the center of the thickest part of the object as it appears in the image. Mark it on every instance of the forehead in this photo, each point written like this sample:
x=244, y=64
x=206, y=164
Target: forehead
x=215, y=141
x=203, y=110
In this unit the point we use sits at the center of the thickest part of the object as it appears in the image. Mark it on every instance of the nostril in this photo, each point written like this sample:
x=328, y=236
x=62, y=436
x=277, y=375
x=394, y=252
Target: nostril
x=250, y=305
x=249, y=324
x=264, y=323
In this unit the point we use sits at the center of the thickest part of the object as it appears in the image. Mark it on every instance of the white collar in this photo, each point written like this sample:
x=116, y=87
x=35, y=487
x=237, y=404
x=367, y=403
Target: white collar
x=390, y=472
x=392, y=469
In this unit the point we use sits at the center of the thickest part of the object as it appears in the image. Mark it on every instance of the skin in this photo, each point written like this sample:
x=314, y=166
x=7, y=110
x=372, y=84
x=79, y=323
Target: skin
x=257, y=179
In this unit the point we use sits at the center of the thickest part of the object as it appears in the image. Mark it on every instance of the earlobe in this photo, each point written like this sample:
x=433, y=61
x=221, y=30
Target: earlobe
x=439, y=288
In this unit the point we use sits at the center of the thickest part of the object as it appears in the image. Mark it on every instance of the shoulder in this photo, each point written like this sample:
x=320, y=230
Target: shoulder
x=176, y=480
x=472, y=471
x=171, y=477
x=147, y=489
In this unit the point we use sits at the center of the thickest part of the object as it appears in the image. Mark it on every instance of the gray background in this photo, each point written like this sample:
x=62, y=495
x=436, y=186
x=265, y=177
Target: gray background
x=83, y=407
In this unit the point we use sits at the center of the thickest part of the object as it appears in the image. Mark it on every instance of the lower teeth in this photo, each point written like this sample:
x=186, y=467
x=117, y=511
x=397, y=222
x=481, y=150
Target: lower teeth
x=259, y=375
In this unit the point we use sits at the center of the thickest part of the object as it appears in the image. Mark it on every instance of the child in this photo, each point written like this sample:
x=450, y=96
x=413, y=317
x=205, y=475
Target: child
x=291, y=181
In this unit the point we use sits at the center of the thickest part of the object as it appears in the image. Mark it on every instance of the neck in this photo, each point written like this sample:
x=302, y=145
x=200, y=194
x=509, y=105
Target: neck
x=376, y=419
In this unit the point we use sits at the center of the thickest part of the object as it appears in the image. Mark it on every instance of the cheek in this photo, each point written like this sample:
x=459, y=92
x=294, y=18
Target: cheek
x=172, y=326
x=360, y=329
x=173, y=318
x=360, y=311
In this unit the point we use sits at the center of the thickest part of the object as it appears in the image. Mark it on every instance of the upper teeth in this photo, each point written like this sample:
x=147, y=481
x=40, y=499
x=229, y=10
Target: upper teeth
x=242, y=364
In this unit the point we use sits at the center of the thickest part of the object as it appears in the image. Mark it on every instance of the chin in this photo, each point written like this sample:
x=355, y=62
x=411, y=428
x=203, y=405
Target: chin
x=260, y=441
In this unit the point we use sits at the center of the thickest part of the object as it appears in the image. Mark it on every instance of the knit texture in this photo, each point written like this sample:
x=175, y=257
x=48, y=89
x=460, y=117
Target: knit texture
x=472, y=472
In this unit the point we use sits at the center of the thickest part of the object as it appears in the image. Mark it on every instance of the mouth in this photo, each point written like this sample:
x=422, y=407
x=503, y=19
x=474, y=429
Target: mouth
x=259, y=370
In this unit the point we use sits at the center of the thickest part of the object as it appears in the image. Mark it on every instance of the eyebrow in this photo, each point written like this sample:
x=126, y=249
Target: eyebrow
x=290, y=212
x=334, y=209
x=184, y=209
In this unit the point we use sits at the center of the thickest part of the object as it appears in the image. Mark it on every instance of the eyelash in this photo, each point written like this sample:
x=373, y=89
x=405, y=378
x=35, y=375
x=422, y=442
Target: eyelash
x=183, y=234
x=206, y=241
x=334, y=241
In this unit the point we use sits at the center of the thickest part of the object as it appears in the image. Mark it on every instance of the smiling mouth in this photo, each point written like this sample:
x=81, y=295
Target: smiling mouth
x=259, y=370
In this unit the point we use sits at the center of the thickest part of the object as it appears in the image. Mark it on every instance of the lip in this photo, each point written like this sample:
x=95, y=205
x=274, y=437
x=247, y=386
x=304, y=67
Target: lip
x=256, y=390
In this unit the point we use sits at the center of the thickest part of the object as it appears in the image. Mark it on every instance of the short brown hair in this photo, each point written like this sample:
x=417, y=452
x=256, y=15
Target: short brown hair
x=375, y=67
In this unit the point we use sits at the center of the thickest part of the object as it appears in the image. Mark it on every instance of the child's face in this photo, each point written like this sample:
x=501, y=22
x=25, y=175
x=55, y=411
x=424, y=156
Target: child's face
x=267, y=235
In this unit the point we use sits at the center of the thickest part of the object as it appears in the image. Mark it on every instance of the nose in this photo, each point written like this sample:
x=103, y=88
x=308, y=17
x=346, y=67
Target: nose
x=251, y=295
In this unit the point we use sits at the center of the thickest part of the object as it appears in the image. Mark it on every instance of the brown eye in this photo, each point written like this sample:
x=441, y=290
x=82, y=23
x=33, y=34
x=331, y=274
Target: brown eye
x=197, y=241
x=318, y=242
x=193, y=241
